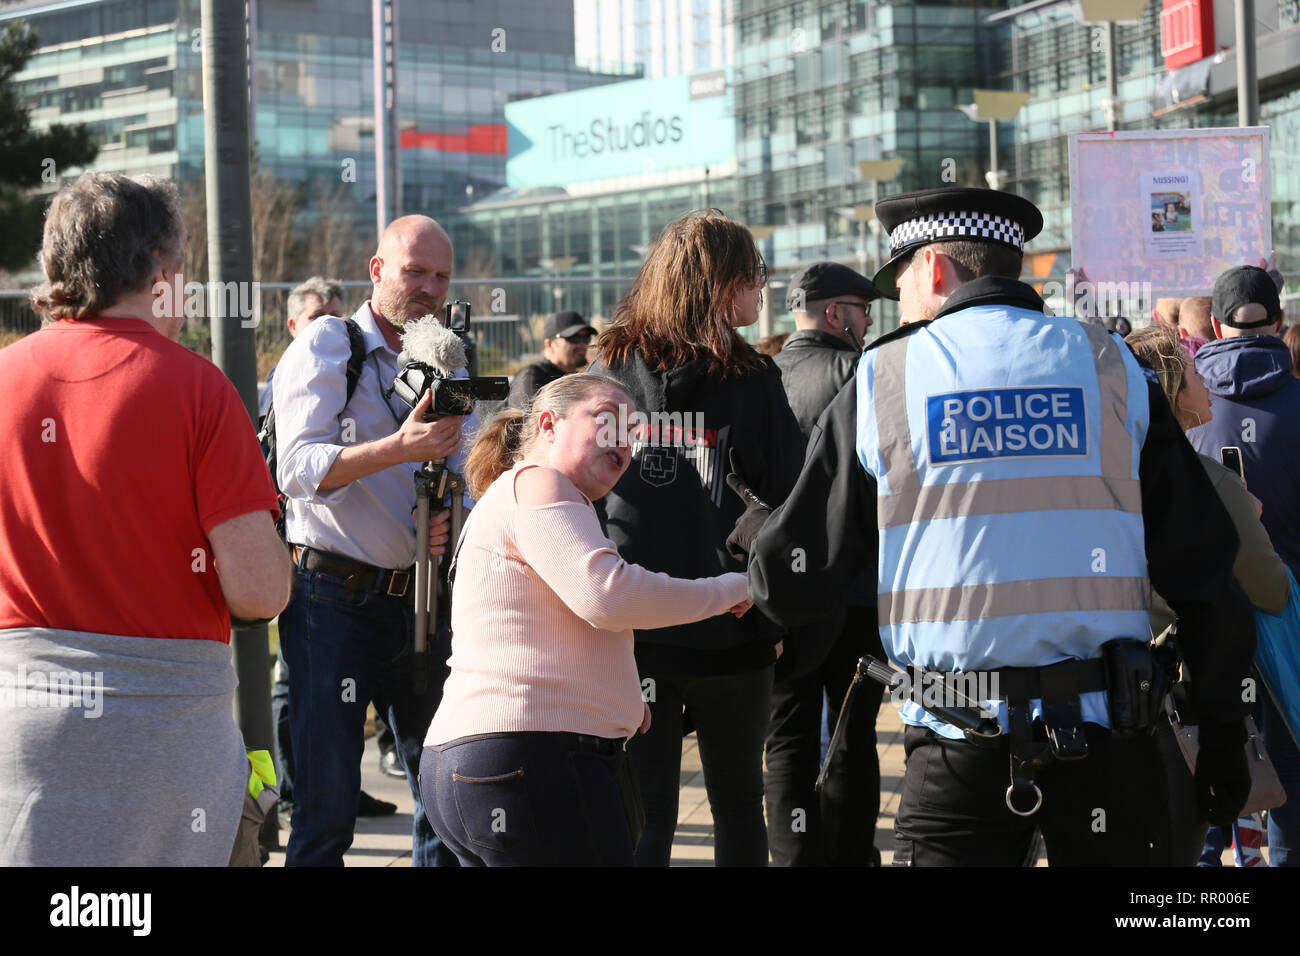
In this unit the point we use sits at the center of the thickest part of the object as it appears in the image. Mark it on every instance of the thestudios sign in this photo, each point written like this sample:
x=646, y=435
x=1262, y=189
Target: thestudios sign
x=622, y=129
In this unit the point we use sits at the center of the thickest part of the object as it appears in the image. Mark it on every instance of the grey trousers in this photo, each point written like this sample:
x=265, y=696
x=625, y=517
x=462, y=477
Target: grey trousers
x=117, y=751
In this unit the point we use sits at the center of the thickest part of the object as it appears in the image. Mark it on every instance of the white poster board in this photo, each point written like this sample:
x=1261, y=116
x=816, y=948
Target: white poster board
x=1173, y=208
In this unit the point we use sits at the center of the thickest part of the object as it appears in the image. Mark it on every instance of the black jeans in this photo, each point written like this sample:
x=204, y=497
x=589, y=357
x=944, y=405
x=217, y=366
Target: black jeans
x=1108, y=809
x=730, y=714
x=527, y=799
x=838, y=827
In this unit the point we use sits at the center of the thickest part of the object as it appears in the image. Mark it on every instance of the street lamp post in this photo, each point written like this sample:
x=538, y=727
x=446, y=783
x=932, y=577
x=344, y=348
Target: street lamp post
x=863, y=214
x=991, y=106
x=877, y=171
x=1247, y=78
x=1108, y=12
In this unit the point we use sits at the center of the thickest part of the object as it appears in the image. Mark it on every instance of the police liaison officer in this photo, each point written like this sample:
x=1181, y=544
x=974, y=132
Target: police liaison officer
x=1018, y=484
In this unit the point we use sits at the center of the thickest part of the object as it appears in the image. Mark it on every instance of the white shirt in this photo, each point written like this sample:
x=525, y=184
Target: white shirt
x=370, y=519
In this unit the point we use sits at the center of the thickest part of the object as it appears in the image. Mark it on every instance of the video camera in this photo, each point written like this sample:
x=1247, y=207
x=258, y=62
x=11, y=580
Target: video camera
x=431, y=354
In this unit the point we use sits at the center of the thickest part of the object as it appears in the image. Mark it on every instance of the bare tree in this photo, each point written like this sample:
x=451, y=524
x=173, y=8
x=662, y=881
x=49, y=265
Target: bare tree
x=335, y=246
x=277, y=243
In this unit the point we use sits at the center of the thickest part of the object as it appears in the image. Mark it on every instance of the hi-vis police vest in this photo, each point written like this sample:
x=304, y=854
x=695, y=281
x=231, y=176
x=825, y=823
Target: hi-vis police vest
x=1005, y=446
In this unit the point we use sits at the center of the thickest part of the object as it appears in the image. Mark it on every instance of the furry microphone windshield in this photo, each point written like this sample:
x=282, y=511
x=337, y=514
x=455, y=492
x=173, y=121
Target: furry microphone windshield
x=427, y=341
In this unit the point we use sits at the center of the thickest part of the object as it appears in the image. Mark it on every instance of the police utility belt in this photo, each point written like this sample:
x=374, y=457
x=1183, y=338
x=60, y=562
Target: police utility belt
x=1134, y=675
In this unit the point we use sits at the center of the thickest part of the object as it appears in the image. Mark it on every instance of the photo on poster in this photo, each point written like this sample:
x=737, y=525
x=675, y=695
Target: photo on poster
x=1171, y=205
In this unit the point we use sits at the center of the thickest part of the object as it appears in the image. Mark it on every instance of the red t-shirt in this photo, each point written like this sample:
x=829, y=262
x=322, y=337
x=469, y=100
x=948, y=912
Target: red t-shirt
x=119, y=451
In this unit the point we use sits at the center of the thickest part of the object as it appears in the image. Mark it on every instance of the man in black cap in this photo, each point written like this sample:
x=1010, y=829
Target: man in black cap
x=565, y=337
x=832, y=308
x=1256, y=407
x=1016, y=485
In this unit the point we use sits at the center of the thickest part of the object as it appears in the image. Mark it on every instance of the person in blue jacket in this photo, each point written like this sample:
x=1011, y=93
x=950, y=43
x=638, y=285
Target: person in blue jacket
x=1247, y=369
x=1019, y=484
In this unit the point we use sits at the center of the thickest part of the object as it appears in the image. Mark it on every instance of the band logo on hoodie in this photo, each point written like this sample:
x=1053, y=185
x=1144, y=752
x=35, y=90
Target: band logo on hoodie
x=664, y=443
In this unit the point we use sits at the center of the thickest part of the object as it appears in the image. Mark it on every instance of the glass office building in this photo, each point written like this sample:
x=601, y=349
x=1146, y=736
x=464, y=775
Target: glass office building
x=822, y=85
x=595, y=175
x=1049, y=53
x=663, y=37
x=131, y=70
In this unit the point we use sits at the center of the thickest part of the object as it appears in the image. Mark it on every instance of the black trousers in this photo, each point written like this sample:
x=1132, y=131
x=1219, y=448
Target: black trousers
x=837, y=828
x=730, y=713
x=1109, y=809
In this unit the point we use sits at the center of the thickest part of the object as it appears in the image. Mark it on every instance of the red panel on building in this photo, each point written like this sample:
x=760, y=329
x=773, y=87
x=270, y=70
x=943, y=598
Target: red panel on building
x=1186, y=31
x=484, y=139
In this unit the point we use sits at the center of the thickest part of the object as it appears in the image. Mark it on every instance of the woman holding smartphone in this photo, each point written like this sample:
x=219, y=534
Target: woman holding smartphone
x=523, y=762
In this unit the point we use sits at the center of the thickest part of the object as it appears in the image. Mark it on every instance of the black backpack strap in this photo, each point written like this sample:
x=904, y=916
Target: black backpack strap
x=358, y=357
x=266, y=434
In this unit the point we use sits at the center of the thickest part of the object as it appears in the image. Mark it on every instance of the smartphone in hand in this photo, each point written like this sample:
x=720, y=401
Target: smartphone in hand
x=1231, y=457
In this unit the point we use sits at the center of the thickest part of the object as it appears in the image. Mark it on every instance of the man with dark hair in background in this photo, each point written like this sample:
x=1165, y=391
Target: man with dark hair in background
x=565, y=337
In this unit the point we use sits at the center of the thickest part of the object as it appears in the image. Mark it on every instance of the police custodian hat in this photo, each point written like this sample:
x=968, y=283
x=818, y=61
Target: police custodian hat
x=826, y=280
x=954, y=212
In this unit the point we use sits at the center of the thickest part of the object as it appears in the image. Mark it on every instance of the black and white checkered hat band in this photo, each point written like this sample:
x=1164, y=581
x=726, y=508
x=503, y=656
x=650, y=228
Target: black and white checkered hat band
x=956, y=225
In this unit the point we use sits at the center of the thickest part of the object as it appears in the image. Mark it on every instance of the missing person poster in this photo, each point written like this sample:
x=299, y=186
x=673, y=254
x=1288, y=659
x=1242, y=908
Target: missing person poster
x=1171, y=198
x=1166, y=211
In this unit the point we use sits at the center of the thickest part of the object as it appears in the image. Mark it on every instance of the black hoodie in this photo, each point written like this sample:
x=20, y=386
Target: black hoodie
x=672, y=509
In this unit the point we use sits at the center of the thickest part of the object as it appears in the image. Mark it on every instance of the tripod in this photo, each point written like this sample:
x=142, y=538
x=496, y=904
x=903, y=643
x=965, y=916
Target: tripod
x=432, y=482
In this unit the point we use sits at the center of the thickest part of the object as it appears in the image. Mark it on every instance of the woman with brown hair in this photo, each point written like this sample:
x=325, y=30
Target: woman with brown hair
x=523, y=762
x=710, y=403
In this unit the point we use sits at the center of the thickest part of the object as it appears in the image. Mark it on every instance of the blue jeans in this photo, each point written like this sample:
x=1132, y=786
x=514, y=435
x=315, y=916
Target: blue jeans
x=344, y=649
x=283, y=739
x=528, y=799
x=731, y=714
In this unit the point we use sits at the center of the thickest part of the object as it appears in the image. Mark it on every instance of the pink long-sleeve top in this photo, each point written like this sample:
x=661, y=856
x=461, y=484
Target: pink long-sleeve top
x=542, y=619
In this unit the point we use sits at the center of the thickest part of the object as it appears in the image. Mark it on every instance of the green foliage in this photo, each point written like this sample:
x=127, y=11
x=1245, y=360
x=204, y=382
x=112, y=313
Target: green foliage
x=29, y=158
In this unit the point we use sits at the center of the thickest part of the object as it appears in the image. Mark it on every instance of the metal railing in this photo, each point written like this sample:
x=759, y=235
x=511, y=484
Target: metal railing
x=507, y=314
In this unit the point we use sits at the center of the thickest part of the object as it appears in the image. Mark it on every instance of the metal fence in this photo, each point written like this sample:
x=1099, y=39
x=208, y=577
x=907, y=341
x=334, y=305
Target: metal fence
x=507, y=315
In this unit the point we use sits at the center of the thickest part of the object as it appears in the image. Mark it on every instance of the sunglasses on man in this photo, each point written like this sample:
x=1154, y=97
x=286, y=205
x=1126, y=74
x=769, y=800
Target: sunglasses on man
x=864, y=306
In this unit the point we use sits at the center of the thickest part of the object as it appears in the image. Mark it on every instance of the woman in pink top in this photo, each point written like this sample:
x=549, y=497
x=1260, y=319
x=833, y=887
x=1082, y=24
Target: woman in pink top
x=524, y=761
